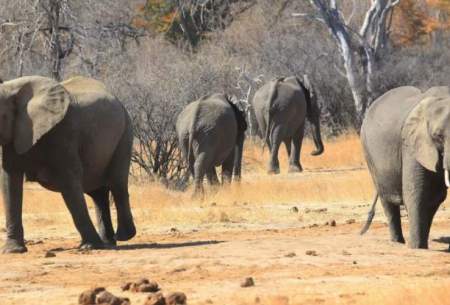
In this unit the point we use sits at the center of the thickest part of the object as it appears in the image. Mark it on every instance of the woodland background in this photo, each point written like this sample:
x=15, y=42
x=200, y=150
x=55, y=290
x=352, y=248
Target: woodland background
x=158, y=55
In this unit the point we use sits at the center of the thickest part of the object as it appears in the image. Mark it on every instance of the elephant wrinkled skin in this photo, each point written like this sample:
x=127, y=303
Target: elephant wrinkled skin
x=406, y=140
x=281, y=107
x=211, y=132
x=71, y=137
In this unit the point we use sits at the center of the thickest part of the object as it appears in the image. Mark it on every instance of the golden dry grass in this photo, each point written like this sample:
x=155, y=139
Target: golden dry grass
x=329, y=178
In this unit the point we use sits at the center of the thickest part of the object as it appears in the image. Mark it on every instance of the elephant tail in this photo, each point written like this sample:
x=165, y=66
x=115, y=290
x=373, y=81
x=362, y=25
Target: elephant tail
x=273, y=94
x=370, y=216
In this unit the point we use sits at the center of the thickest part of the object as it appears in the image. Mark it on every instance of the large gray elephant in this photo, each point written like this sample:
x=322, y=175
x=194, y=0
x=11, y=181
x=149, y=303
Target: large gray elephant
x=280, y=107
x=72, y=137
x=406, y=139
x=211, y=132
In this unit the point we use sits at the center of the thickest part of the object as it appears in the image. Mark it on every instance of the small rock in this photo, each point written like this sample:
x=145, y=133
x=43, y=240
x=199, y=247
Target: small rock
x=311, y=253
x=350, y=221
x=314, y=225
x=291, y=254
x=155, y=299
x=176, y=298
x=213, y=204
x=294, y=210
x=332, y=223
x=346, y=253
x=355, y=262
x=307, y=210
x=174, y=231
x=50, y=254
x=248, y=282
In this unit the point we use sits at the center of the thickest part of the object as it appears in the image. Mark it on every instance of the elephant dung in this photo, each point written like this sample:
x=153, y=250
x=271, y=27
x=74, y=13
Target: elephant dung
x=88, y=297
x=248, y=282
x=155, y=299
x=176, y=298
x=107, y=298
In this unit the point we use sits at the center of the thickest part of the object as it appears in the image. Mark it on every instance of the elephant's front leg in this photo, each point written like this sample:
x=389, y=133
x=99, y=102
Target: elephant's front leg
x=12, y=185
x=423, y=191
x=75, y=202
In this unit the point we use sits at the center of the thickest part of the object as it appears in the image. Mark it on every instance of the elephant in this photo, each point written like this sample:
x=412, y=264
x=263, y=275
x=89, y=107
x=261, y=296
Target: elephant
x=71, y=137
x=211, y=132
x=280, y=107
x=405, y=137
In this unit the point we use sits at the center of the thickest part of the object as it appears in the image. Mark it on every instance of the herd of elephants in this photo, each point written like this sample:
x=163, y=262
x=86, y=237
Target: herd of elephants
x=76, y=138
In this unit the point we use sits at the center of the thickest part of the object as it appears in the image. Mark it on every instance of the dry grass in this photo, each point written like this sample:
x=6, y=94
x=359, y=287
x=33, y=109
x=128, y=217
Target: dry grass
x=260, y=198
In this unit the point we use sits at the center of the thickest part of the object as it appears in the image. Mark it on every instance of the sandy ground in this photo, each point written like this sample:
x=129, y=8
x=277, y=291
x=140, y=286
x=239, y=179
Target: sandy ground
x=209, y=260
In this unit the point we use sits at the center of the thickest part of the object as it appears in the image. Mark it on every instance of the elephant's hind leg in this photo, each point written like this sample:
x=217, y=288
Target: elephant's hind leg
x=102, y=210
x=276, y=139
x=212, y=177
x=294, y=160
x=392, y=212
x=119, y=170
x=200, y=166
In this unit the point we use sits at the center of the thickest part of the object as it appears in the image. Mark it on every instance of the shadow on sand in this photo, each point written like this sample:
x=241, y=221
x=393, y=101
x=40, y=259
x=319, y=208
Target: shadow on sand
x=168, y=245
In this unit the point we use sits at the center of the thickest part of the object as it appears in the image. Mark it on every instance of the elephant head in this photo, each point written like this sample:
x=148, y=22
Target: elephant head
x=427, y=132
x=242, y=127
x=29, y=108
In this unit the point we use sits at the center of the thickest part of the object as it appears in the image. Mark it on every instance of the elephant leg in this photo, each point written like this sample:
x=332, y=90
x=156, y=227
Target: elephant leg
x=75, y=202
x=294, y=160
x=287, y=143
x=227, y=168
x=200, y=166
x=126, y=229
x=118, y=184
x=423, y=191
x=274, y=164
x=212, y=177
x=12, y=184
x=103, y=212
x=392, y=212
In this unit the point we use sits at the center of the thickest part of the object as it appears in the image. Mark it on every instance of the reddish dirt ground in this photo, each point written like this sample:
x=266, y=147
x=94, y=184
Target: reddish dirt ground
x=345, y=268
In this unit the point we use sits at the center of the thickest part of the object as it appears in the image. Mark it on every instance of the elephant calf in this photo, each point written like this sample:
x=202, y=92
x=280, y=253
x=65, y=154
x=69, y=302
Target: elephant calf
x=280, y=107
x=211, y=132
x=72, y=137
x=406, y=140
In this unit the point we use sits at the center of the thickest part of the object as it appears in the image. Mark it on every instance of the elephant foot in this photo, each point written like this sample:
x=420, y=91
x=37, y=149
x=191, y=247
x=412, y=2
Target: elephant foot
x=14, y=246
x=295, y=169
x=274, y=171
x=124, y=234
x=109, y=242
x=91, y=246
x=399, y=240
x=418, y=245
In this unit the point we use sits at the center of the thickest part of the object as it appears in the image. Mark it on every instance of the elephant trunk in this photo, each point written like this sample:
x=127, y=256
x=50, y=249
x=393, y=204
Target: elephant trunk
x=315, y=126
x=238, y=157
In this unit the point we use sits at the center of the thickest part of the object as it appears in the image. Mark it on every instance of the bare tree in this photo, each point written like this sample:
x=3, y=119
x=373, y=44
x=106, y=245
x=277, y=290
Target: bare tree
x=45, y=35
x=359, y=48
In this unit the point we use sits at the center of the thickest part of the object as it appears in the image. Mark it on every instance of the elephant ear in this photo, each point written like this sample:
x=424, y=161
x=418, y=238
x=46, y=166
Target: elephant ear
x=415, y=134
x=41, y=104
